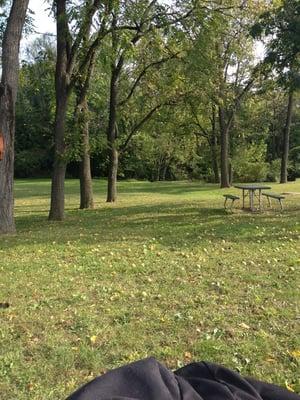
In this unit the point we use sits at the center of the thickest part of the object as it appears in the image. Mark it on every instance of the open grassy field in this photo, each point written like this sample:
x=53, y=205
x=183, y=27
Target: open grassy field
x=164, y=272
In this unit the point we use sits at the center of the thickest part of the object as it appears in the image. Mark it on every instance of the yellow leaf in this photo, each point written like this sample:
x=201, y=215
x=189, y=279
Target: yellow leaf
x=93, y=339
x=295, y=353
x=245, y=326
x=289, y=387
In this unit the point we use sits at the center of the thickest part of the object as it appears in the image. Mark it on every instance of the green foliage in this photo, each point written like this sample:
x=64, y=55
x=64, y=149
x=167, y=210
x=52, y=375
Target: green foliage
x=281, y=26
x=31, y=162
x=35, y=110
x=249, y=163
x=274, y=171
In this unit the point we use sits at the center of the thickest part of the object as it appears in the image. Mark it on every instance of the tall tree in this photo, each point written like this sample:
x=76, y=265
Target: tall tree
x=8, y=95
x=82, y=123
x=143, y=19
x=68, y=69
x=220, y=61
x=281, y=26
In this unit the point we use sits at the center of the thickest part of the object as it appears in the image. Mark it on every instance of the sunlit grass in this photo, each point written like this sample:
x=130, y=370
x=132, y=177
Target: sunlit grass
x=164, y=272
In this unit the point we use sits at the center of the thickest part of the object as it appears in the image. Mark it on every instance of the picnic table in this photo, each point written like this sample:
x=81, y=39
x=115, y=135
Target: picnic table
x=250, y=190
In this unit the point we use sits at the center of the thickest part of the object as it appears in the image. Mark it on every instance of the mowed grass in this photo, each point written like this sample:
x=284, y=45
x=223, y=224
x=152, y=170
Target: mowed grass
x=164, y=272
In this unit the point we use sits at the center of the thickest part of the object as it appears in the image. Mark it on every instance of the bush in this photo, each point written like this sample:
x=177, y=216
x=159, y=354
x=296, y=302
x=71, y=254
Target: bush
x=249, y=163
x=32, y=163
x=274, y=171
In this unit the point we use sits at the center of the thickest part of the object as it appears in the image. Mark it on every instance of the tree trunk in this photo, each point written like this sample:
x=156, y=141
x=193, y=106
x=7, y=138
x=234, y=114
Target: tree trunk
x=112, y=175
x=86, y=186
x=8, y=95
x=214, y=159
x=111, y=139
x=224, y=132
x=57, y=205
x=164, y=171
x=286, y=139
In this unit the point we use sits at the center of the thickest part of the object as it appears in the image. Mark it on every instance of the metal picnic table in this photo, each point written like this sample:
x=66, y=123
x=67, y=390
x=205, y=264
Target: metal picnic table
x=251, y=189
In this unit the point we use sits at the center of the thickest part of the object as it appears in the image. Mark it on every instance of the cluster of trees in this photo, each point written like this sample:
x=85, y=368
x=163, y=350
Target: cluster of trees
x=154, y=90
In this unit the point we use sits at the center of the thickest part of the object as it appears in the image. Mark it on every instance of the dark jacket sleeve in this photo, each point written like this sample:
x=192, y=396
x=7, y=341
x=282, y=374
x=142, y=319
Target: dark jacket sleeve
x=142, y=380
x=214, y=382
x=149, y=380
x=272, y=392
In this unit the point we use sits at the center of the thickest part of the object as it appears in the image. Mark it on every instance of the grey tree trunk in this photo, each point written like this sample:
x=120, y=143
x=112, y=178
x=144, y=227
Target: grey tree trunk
x=112, y=175
x=214, y=158
x=224, y=132
x=286, y=139
x=8, y=95
x=111, y=139
x=86, y=186
x=57, y=204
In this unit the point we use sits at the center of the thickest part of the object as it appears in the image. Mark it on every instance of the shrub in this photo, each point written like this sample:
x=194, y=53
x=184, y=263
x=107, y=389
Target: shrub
x=249, y=163
x=274, y=171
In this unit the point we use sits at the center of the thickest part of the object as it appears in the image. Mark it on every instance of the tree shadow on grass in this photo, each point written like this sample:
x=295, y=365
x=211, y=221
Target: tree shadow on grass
x=181, y=225
x=38, y=188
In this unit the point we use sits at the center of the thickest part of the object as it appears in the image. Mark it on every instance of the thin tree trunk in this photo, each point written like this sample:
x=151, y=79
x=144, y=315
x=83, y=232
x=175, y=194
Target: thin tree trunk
x=214, y=159
x=57, y=205
x=111, y=140
x=164, y=171
x=224, y=131
x=8, y=95
x=214, y=146
x=286, y=139
x=86, y=186
x=112, y=175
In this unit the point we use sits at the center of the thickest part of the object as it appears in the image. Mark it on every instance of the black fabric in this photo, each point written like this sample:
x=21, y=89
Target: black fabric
x=149, y=380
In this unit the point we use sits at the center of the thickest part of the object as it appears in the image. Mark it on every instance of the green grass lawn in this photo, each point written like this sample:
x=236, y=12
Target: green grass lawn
x=164, y=272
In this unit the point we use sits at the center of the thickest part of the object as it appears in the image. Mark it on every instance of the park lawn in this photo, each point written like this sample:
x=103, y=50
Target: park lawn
x=164, y=272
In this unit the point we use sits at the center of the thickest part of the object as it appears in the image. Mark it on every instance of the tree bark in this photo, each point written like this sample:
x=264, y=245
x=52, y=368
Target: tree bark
x=164, y=171
x=86, y=185
x=57, y=205
x=82, y=122
x=68, y=50
x=111, y=138
x=214, y=158
x=224, y=132
x=286, y=139
x=112, y=175
x=8, y=95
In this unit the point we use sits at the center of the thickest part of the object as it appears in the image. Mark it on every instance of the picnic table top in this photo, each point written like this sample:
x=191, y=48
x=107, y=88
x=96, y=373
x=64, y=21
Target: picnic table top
x=253, y=186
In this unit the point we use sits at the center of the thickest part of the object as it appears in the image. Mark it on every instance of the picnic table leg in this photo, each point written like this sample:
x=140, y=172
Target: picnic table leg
x=251, y=195
x=260, y=205
x=243, y=198
x=281, y=206
x=225, y=203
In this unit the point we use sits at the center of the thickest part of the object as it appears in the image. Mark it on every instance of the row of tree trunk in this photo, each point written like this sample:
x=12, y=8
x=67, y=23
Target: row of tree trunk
x=63, y=77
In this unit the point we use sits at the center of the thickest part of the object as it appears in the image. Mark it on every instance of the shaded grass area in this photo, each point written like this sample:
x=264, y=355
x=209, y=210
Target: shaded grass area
x=164, y=272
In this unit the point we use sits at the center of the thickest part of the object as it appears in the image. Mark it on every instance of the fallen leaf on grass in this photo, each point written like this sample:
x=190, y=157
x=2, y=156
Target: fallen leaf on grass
x=289, y=387
x=243, y=325
x=188, y=355
x=93, y=339
x=295, y=353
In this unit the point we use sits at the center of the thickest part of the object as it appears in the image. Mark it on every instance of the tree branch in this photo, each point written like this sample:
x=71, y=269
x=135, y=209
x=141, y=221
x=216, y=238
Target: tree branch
x=143, y=73
x=83, y=32
x=139, y=125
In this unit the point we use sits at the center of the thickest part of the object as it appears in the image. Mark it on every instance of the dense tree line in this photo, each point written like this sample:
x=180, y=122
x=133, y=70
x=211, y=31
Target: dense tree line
x=154, y=90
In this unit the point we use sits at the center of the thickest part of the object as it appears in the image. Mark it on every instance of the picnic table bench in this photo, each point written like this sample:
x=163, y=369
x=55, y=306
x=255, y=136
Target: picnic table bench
x=276, y=196
x=231, y=197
